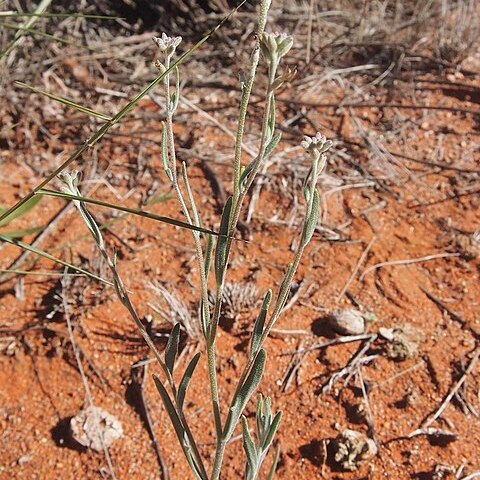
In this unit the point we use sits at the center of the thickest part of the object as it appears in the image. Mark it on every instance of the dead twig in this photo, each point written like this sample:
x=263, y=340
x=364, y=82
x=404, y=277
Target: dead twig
x=358, y=359
x=335, y=341
x=453, y=315
x=339, y=104
x=407, y=261
x=293, y=367
x=369, y=416
x=424, y=426
x=352, y=276
x=139, y=375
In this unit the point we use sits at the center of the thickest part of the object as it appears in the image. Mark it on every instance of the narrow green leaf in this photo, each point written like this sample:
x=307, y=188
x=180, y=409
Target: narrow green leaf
x=168, y=171
x=245, y=174
x=312, y=219
x=65, y=101
x=187, y=376
x=203, y=318
x=161, y=198
x=19, y=212
x=179, y=429
x=273, y=468
x=245, y=392
x=172, y=347
x=273, y=143
x=21, y=233
x=134, y=211
x=208, y=255
x=41, y=253
x=249, y=446
x=271, y=119
x=259, y=323
x=221, y=251
x=273, y=430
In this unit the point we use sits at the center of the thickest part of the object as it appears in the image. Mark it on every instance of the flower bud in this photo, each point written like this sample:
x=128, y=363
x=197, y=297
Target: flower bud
x=274, y=46
x=70, y=181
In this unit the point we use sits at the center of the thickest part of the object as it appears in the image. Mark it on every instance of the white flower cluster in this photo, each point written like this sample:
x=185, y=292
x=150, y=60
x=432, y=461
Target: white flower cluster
x=167, y=44
x=316, y=145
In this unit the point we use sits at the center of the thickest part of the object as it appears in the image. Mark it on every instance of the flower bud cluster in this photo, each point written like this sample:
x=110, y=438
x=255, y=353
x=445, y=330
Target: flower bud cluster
x=316, y=145
x=275, y=45
x=166, y=44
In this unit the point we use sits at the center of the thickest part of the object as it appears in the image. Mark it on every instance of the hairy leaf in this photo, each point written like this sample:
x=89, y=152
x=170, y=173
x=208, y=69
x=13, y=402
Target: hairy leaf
x=187, y=376
x=259, y=323
x=221, y=251
x=172, y=347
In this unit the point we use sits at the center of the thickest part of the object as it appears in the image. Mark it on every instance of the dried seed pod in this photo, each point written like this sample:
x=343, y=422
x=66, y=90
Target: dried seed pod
x=352, y=449
x=347, y=322
x=403, y=342
x=95, y=428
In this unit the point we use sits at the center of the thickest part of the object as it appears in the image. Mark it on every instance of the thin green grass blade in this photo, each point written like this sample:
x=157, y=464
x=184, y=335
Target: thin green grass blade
x=22, y=233
x=42, y=6
x=11, y=13
x=20, y=211
x=97, y=136
x=40, y=273
x=40, y=33
x=64, y=101
x=42, y=253
x=134, y=211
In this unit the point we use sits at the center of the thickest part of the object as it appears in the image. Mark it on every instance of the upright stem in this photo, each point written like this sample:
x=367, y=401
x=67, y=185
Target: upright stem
x=237, y=207
x=200, y=261
x=179, y=194
x=282, y=295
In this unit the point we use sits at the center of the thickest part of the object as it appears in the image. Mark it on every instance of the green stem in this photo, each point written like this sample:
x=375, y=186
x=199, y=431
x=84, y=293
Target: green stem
x=217, y=463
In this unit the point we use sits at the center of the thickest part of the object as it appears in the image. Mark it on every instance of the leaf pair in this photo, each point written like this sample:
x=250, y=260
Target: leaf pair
x=244, y=393
x=175, y=409
x=267, y=426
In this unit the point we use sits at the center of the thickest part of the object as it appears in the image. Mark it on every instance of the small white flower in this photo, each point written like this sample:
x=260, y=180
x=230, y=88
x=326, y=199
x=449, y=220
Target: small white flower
x=316, y=145
x=167, y=44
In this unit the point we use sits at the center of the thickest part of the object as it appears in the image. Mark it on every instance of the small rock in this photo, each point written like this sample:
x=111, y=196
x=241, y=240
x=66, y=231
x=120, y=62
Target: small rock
x=347, y=322
x=352, y=449
x=24, y=459
x=92, y=425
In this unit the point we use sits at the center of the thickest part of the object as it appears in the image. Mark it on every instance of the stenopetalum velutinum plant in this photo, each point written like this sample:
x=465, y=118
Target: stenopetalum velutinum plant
x=272, y=47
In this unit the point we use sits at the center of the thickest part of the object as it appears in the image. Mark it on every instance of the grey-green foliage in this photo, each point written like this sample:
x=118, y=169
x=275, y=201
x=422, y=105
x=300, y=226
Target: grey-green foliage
x=226, y=414
x=266, y=427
